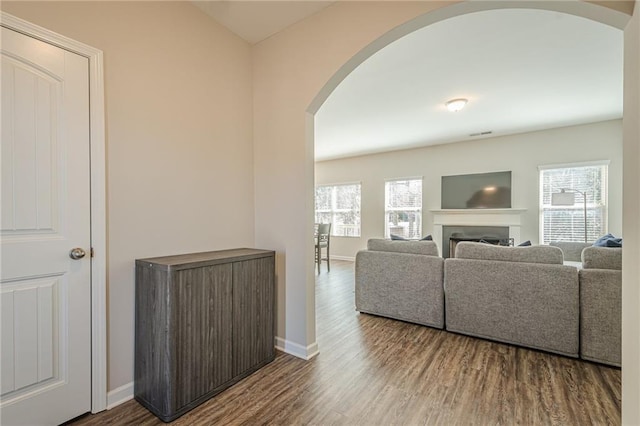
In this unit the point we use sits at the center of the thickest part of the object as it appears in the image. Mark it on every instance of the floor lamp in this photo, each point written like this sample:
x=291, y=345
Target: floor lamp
x=567, y=197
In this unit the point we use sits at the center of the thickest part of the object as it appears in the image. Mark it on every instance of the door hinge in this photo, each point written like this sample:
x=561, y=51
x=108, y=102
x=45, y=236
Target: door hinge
x=91, y=252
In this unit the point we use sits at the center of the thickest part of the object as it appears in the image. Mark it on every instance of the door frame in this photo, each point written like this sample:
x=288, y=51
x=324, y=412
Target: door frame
x=98, y=197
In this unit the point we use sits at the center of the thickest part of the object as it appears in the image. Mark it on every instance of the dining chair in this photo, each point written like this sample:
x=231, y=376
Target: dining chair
x=323, y=239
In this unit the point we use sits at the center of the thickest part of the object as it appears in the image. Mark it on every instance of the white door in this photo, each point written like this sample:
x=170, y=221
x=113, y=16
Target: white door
x=45, y=295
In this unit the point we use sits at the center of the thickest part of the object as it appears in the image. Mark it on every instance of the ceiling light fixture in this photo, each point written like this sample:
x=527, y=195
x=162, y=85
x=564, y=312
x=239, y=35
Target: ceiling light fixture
x=455, y=105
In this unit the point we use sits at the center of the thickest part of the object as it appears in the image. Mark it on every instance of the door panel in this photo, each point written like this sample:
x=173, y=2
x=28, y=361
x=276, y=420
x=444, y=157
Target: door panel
x=30, y=109
x=31, y=333
x=45, y=295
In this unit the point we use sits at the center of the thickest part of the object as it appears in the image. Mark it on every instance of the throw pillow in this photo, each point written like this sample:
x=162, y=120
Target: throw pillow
x=602, y=241
x=395, y=237
x=614, y=242
x=608, y=241
x=427, y=238
x=525, y=243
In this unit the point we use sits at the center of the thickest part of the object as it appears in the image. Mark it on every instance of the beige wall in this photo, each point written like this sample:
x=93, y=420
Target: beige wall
x=290, y=68
x=522, y=154
x=631, y=223
x=179, y=150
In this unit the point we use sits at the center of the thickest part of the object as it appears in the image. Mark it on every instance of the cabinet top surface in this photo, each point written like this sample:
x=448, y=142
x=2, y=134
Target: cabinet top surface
x=205, y=258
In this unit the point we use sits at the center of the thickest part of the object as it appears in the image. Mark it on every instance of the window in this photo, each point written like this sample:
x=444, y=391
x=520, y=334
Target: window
x=340, y=206
x=567, y=223
x=403, y=208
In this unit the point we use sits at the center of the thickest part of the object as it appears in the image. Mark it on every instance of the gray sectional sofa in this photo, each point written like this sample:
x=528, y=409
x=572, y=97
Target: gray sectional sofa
x=401, y=280
x=519, y=295
x=601, y=305
x=526, y=296
x=600, y=279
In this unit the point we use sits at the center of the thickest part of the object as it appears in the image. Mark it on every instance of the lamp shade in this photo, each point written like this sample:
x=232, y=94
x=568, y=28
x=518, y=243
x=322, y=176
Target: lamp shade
x=563, y=198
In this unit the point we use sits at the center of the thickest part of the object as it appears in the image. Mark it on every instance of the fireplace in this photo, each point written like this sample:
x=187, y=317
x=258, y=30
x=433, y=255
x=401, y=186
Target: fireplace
x=509, y=219
x=452, y=235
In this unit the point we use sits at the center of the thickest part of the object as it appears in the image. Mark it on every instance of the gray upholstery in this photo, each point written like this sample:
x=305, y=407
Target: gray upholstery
x=400, y=284
x=428, y=248
x=519, y=295
x=601, y=305
x=572, y=250
x=533, y=304
x=602, y=258
x=527, y=254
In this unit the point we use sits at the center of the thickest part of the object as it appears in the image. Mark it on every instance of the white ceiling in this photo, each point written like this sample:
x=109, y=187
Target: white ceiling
x=522, y=70
x=255, y=21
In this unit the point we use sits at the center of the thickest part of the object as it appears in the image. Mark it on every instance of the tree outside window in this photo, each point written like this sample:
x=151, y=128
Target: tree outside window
x=403, y=208
x=340, y=206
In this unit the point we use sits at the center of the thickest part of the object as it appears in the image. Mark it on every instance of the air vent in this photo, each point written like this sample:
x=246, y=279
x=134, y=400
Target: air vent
x=488, y=132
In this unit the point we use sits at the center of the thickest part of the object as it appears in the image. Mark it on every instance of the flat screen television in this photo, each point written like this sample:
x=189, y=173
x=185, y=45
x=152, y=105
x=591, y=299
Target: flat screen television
x=477, y=191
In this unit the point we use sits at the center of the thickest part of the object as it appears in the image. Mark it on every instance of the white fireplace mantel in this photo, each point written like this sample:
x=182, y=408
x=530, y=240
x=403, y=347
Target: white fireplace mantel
x=477, y=217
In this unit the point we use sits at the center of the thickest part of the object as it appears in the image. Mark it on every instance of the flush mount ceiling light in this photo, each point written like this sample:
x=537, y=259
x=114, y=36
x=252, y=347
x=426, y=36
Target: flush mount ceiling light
x=455, y=105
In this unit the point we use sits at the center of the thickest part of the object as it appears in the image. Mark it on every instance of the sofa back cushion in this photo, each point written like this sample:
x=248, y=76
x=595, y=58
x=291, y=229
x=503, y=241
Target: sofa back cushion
x=428, y=248
x=528, y=254
x=602, y=258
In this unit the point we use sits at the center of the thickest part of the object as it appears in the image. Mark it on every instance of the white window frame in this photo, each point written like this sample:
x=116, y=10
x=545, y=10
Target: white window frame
x=388, y=209
x=579, y=199
x=334, y=210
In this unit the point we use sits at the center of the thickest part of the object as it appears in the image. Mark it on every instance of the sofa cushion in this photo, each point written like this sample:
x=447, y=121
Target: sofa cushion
x=527, y=254
x=403, y=286
x=529, y=304
x=602, y=258
x=428, y=248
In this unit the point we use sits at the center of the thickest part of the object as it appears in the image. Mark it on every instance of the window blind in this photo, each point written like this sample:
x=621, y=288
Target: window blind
x=566, y=223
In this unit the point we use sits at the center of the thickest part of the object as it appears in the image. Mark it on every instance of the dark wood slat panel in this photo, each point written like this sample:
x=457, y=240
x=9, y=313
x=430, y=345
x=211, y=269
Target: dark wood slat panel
x=253, y=306
x=374, y=370
x=201, y=331
x=151, y=371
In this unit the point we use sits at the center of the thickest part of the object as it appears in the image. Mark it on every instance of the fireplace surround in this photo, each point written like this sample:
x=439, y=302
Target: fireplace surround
x=451, y=235
x=507, y=218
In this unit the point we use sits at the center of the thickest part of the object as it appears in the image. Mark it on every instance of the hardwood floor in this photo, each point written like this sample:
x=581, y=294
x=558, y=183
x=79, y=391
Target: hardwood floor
x=377, y=371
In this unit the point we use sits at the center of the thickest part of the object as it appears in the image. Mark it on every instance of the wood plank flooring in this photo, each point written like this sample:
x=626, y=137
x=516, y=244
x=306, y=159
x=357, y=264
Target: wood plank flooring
x=377, y=371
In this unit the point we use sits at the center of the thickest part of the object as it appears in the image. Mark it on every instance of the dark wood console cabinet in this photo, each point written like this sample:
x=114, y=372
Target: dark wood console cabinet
x=203, y=322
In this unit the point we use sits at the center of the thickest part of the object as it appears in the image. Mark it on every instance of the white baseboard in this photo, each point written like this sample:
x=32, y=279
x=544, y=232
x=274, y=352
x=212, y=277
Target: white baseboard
x=297, y=350
x=347, y=258
x=119, y=395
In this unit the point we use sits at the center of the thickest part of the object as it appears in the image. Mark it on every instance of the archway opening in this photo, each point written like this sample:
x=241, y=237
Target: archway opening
x=581, y=9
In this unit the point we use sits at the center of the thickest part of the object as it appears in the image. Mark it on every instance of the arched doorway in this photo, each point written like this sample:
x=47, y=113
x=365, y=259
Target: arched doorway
x=582, y=9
